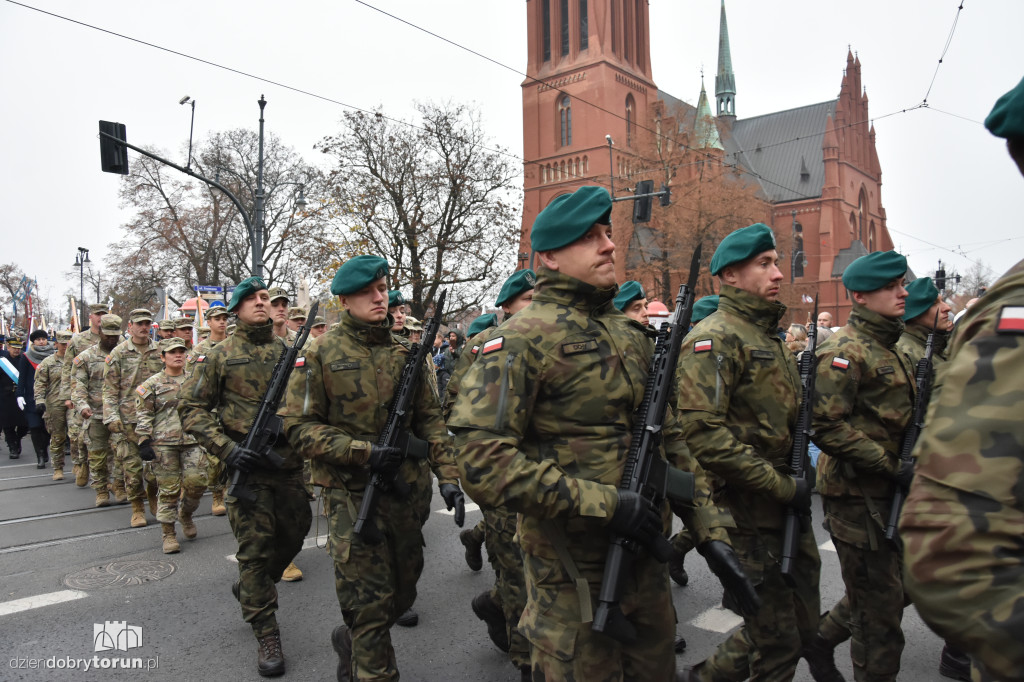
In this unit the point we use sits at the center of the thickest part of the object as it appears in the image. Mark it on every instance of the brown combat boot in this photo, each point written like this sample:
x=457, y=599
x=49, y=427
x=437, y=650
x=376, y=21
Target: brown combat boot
x=138, y=514
x=219, y=509
x=102, y=498
x=171, y=545
x=58, y=474
x=291, y=574
x=188, y=526
x=270, y=659
x=82, y=474
x=120, y=496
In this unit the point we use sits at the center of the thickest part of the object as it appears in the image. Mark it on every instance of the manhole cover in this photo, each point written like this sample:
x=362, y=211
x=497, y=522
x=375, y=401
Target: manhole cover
x=119, y=574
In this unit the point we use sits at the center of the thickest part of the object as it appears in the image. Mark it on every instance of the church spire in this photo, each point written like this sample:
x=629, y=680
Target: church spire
x=725, y=80
x=704, y=129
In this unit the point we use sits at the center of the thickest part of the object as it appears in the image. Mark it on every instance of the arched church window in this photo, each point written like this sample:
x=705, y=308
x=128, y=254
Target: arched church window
x=565, y=120
x=862, y=210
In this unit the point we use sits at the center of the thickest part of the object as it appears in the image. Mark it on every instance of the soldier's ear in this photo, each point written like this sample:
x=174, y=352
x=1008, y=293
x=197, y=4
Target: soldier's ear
x=549, y=259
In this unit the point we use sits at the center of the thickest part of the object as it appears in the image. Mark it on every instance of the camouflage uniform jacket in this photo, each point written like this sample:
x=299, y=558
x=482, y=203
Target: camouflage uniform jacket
x=913, y=344
x=338, y=400
x=78, y=344
x=963, y=521
x=87, y=374
x=127, y=368
x=471, y=353
x=865, y=393
x=543, y=421
x=221, y=396
x=739, y=395
x=47, y=384
x=156, y=407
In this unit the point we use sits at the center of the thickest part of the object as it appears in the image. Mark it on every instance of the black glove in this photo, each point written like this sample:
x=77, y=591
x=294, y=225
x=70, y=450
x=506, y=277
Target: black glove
x=146, y=451
x=905, y=474
x=40, y=408
x=242, y=458
x=723, y=563
x=453, y=497
x=636, y=518
x=801, y=501
x=385, y=460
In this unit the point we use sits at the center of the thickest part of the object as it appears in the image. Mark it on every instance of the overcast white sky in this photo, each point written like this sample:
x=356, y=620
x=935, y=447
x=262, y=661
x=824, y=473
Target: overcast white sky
x=949, y=188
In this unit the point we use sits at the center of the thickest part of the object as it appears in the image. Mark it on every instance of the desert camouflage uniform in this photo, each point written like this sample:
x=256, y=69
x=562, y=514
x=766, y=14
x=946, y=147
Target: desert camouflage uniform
x=88, y=392
x=543, y=427
x=739, y=396
x=218, y=402
x=214, y=467
x=47, y=391
x=180, y=464
x=78, y=344
x=337, y=404
x=127, y=367
x=865, y=392
x=963, y=522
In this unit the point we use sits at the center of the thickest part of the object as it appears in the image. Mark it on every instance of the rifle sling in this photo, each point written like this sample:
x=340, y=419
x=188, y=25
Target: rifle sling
x=558, y=540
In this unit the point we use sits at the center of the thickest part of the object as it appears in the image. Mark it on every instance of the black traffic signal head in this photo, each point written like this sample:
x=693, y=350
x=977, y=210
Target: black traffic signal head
x=113, y=156
x=642, y=206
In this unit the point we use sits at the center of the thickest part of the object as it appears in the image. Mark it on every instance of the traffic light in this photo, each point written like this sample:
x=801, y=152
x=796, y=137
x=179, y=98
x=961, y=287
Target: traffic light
x=113, y=156
x=666, y=195
x=642, y=206
x=940, y=278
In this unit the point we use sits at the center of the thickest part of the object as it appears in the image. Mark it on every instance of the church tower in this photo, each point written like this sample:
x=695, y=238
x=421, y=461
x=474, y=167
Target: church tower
x=588, y=76
x=725, y=80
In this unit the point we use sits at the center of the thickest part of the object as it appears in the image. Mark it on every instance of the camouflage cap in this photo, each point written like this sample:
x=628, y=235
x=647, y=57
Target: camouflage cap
x=184, y=323
x=703, y=308
x=1006, y=119
x=334, y=326
x=481, y=323
x=628, y=292
x=64, y=336
x=170, y=344
x=98, y=308
x=395, y=298
x=277, y=293
x=217, y=310
x=874, y=271
x=569, y=217
x=413, y=324
x=356, y=273
x=231, y=329
x=742, y=244
x=297, y=313
x=921, y=295
x=518, y=282
x=140, y=315
x=319, y=322
x=110, y=325
x=204, y=330
x=166, y=325
x=245, y=288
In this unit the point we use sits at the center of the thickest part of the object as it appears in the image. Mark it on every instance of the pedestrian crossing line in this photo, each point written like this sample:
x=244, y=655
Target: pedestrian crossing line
x=716, y=619
x=316, y=541
x=827, y=546
x=472, y=506
x=40, y=600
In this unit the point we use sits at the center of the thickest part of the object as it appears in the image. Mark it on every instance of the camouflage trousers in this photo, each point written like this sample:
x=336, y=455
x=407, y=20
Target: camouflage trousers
x=129, y=462
x=565, y=648
x=509, y=588
x=79, y=452
x=731, y=660
x=375, y=584
x=214, y=472
x=180, y=472
x=269, y=531
x=872, y=571
x=57, y=424
x=100, y=459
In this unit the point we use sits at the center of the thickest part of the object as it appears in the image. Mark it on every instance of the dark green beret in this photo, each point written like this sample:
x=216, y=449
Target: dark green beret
x=356, y=273
x=742, y=244
x=1007, y=117
x=247, y=286
x=520, y=281
x=703, y=308
x=874, y=271
x=569, y=216
x=481, y=323
x=921, y=295
x=395, y=298
x=628, y=292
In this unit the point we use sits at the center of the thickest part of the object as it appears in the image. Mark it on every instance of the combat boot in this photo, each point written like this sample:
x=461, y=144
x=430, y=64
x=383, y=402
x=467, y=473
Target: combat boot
x=820, y=658
x=138, y=514
x=489, y=611
x=82, y=474
x=102, y=498
x=58, y=474
x=341, y=640
x=218, y=504
x=171, y=545
x=954, y=664
x=676, y=571
x=120, y=496
x=472, y=541
x=188, y=526
x=291, y=573
x=408, y=619
x=270, y=660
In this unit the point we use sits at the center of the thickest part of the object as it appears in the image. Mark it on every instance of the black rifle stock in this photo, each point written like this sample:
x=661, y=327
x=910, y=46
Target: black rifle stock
x=266, y=426
x=798, y=458
x=645, y=471
x=392, y=435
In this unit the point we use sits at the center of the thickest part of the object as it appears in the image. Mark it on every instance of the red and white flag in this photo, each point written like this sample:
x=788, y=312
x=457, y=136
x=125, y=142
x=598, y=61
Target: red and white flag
x=1011, y=319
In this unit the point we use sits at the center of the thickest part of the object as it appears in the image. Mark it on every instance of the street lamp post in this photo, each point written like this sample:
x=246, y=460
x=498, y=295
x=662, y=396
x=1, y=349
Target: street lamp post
x=257, y=228
x=191, y=126
x=81, y=258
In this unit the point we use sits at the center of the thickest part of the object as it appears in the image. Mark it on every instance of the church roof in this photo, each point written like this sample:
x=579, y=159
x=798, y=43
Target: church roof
x=705, y=132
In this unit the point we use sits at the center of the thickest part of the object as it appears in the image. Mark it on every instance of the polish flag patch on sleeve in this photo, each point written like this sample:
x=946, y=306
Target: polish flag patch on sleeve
x=201, y=358
x=475, y=350
x=702, y=346
x=841, y=363
x=493, y=345
x=1011, y=320
x=300, y=362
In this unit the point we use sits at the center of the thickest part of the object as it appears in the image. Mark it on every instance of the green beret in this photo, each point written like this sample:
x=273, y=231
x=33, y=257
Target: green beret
x=921, y=295
x=628, y=292
x=874, y=271
x=170, y=344
x=742, y=244
x=64, y=336
x=140, y=315
x=356, y=273
x=569, y=216
x=245, y=288
x=110, y=325
x=517, y=283
x=704, y=307
x=481, y=323
x=216, y=310
x=395, y=298
x=1007, y=117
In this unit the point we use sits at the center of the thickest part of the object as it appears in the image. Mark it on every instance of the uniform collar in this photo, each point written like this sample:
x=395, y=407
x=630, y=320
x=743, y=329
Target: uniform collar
x=378, y=334
x=885, y=329
x=921, y=334
x=554, y=287
x=258, y=334
x=757, y=310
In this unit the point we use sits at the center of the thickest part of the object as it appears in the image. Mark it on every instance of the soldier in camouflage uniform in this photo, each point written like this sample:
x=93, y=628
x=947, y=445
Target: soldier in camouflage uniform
x=279, y=314
x=865, y=393
x=165, y=329
x=177, y=460
x=217, y=318
x=47, y=392
x=183, y=327
x=87, y=398
x=128, y=365
x=739, y=396
x=318, y=329
x=338, y=401
x=218, y=402
x=296, y=318
x=632, y=301
x=543, y=424
x=396, y=309
x=79, y=343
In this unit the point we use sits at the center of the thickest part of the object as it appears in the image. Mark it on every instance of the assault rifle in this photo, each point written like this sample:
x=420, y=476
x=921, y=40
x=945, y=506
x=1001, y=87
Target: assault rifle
x=646, y=472
x=267, y=425
x=796, y=521
x=923, y=376
x=394, y=434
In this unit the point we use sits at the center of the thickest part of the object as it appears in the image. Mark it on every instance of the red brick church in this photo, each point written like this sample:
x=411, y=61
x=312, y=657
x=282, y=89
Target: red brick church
x=813, y=168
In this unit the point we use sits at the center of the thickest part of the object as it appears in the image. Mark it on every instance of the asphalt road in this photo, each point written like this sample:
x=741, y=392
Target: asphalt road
x=70, y=572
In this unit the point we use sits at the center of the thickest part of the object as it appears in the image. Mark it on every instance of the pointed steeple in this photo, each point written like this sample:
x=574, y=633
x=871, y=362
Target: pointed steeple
x=705, y=131
x=725, y=80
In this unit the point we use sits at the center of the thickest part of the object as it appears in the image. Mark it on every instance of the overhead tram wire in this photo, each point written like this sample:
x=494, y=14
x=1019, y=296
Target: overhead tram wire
x=945, y=49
